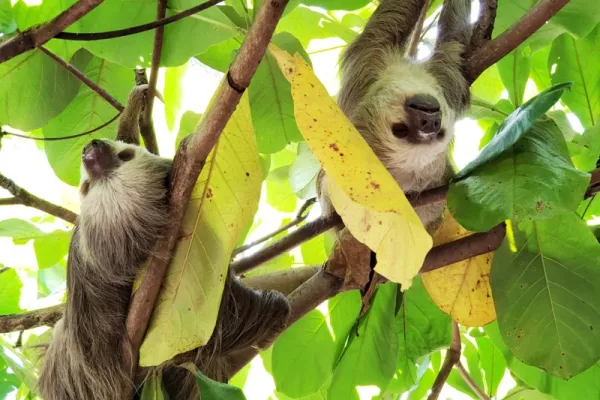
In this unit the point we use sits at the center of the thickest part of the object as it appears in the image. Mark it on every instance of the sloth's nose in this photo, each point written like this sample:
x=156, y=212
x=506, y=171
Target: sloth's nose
x=424, y=111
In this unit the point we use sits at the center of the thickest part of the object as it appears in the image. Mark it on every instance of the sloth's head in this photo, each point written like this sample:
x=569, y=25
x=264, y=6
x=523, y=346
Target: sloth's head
x=407, y=119
x=119, y=169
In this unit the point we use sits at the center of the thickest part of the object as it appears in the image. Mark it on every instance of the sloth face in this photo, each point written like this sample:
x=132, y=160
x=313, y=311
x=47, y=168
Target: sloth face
x=423, y=121
x=120, y=168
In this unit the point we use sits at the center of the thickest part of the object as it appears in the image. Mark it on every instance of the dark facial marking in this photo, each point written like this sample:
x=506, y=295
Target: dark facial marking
x=99, y=158
x=126, y=155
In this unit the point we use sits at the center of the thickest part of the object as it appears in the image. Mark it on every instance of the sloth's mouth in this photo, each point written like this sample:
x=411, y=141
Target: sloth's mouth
x=413, y=135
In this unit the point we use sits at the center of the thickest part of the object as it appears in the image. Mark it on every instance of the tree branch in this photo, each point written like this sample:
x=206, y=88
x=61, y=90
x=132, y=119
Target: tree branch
x=300, y=216
x=38, y=35
x=27, y=199
x=492, y=51
x=31, y=319
x=190, y=159
x=84, y=79
x=452, y=357
x=11, y=201
x=139, y=28
x=318, y=226
x=146, y=125
x=416, y=36
x=285, y=281
x=485, y=23
x=467, y=378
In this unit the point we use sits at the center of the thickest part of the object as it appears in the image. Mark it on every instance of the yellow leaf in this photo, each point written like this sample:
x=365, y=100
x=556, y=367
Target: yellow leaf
x=363, y=192
x=461, y=290
x=224, y=201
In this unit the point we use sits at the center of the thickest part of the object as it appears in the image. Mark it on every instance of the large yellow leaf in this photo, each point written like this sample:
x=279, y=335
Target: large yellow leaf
x=461, y=290
x=363, y=192
x=224, y=201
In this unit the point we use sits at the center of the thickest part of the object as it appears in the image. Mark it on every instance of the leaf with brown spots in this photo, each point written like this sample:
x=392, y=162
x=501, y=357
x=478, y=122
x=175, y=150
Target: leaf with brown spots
x=461, y=290
x=224, y=201
x=362, y=191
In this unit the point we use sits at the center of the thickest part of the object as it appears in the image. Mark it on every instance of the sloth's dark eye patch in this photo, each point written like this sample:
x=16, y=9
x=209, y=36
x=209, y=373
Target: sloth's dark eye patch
x=400, y=130
x=126, y=155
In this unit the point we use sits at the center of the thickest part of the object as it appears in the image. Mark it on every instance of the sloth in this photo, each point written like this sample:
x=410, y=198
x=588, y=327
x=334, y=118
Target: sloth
x=124, y=212
x=404, y=109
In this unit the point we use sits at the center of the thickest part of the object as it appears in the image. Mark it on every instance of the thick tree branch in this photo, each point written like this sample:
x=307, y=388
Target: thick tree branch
x=84, y=79
x=139, y=28
x=285, y=281
x=492, y=51
x=32, y=319
x=11, y=201
x=452, y=357
x=27, y=199
x=38, y=35
x=191, y=156
x=485, y=23
x=146, y=125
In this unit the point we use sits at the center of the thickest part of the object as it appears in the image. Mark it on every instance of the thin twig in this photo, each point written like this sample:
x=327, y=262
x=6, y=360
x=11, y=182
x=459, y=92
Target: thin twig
x=469, y=380
x=452, y=357
x=74, y=136
x=300, y=216
x=84, y=79
x=139, y=28
x=38, y=35
x=492, y=51
x=416, y=37
x=27, y=199
x=11, y=201
x=146, y=125
x=190, y=158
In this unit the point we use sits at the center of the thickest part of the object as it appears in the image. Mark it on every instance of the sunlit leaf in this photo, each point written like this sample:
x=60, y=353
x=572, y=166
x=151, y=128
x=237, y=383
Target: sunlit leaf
x=515, y=126
x=212, y=390
x=369, y=360
x=10, y=292
x=422, y=329
x=461, y=290
x=153, y=388
x=363, y=192
x=20, y=365
x=514, y=71
x=576, y=61
x=303, y=173
x=87, y=111
x=544, y=279
x=534, y=179
x=224, y=201
x=316, y=340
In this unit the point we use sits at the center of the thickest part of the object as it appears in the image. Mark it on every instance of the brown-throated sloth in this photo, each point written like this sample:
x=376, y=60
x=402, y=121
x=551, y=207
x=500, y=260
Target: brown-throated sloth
x=405, y=109
x=124, y=211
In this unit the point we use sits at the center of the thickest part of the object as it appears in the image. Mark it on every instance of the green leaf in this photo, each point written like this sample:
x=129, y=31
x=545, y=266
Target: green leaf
x=303, y=173
x=316, y=340
x=173, y=94
x=153, y=388
x=578, y=17
x=526, y=394
x=87, y=111
x=515, y=125
x=493, y=364
x=422, y=328
x=322, y=26
x=7, y=21
x=514, y=71
x=488, y=85
x=188, y=123
x=482, y=109
x=349, y=5
x=562, y=122
x=271, y=100
x=212, y=390
x=280, y=194
x=33, y=90
x=545, y=279
x=577, y=61
x=220, y=55
x=10, y=292
x=583, y=386
x=19, y=230
x=540, y=73
x=534, y=179
x=370, y=357
x=313, y=251
x=52, y=247
x=20, y=365
x=585, y=149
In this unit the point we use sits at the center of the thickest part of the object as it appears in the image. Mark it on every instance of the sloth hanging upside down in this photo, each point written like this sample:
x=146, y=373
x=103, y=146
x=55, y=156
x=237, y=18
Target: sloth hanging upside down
x=124, y=212
x=405, y=109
